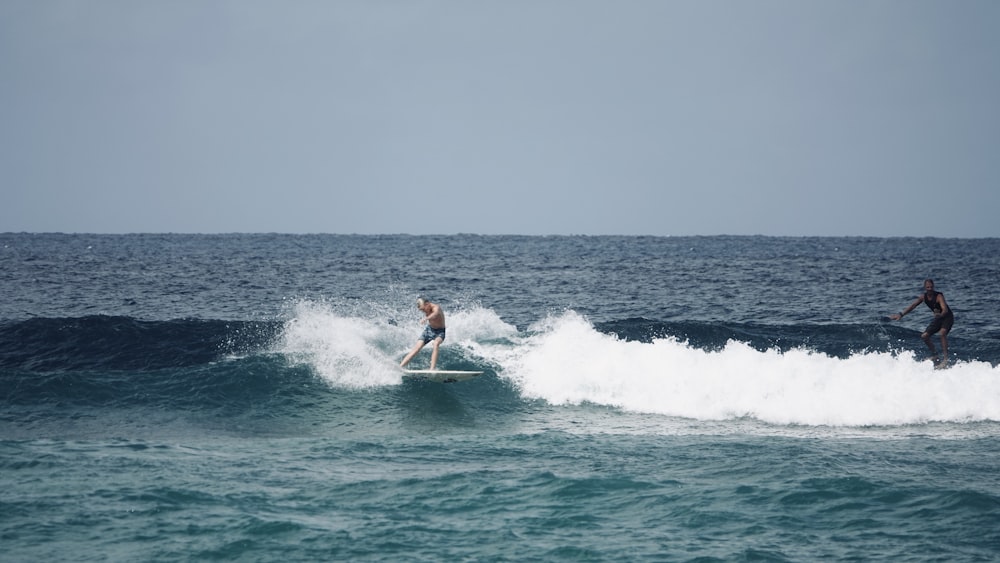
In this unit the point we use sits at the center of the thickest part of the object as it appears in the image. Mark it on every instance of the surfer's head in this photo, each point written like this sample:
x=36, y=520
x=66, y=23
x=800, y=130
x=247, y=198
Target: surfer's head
x=928, y=285
x=421, y=302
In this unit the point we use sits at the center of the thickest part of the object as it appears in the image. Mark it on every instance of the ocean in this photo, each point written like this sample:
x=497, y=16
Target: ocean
x=238, y=398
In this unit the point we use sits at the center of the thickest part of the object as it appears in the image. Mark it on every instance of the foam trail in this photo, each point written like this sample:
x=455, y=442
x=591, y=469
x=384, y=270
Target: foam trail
x=569, y=362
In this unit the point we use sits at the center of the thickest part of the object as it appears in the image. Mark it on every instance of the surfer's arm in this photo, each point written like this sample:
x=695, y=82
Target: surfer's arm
x=906, y=311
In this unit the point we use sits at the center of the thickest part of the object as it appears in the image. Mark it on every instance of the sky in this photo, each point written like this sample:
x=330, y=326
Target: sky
x=534, y=117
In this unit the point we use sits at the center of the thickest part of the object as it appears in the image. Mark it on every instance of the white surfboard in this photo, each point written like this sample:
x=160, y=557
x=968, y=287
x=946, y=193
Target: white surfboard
x=440, y=375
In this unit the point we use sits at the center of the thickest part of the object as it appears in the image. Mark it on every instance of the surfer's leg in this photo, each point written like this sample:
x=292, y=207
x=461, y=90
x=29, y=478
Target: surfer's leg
x=406, y=360
x=434, y=353
x=926, y=336
x=944, y=345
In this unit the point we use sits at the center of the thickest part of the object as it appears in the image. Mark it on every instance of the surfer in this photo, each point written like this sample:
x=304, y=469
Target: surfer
x=434, y=332
x=944, y=318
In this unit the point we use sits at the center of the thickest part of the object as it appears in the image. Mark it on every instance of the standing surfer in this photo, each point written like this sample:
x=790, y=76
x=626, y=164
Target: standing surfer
x=433, y=333
x=943, y=319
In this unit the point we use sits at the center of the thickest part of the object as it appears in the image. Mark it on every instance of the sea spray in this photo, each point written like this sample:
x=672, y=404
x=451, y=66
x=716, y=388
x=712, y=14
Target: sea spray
x=351, y=352
x=364, y=351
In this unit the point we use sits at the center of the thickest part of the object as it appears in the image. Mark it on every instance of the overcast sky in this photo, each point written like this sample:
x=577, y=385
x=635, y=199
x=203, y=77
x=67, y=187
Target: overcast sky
x=656, y=117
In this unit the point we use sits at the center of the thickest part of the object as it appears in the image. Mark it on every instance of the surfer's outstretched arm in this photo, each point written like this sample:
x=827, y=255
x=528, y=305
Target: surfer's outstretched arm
x=907, y=310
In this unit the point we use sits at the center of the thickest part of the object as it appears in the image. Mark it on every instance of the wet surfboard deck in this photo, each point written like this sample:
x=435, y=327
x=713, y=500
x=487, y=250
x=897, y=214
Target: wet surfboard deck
x=440, y=375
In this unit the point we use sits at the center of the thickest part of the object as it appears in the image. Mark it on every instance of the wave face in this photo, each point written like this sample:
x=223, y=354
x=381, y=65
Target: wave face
x=123, y=343
x=785, y=375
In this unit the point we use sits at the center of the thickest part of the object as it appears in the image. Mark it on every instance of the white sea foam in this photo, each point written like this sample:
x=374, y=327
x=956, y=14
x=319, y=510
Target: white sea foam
x=568, y=362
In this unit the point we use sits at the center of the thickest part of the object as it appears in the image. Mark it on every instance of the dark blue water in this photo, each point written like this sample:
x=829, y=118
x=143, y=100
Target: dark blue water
x=236, y=397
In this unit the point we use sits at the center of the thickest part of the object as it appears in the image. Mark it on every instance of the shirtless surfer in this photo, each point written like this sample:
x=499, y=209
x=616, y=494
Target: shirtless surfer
x=942, y=323
x=434, y=332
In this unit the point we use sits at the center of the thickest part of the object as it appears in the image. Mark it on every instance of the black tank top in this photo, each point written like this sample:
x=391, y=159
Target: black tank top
x=930, y=299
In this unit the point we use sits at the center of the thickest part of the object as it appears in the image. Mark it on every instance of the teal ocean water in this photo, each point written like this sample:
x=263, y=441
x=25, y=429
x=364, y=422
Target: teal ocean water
x=237, y=397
